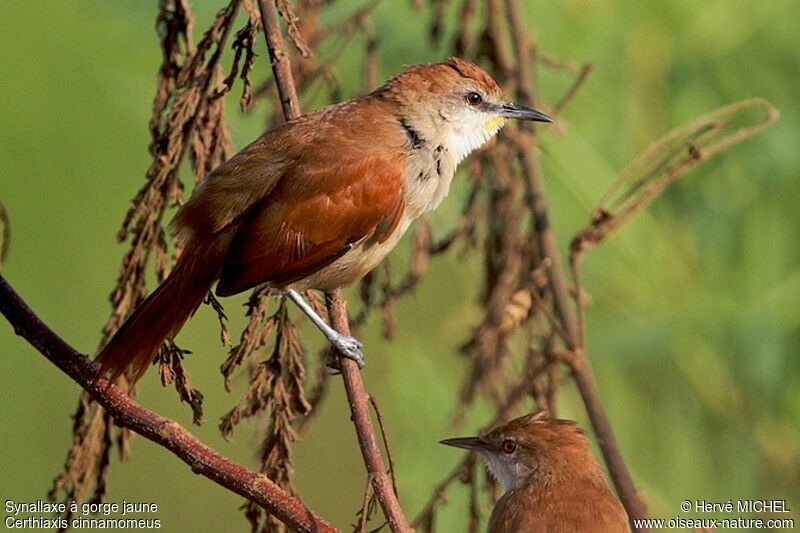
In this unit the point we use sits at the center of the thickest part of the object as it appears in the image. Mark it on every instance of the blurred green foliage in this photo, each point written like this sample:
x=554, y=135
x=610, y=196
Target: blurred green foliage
x=694, y=327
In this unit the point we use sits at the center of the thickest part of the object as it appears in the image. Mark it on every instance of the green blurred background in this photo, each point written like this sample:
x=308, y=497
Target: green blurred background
x=695, y=324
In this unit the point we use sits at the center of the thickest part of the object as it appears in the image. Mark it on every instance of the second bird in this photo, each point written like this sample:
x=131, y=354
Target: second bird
x=319, y=201
x=551, y=479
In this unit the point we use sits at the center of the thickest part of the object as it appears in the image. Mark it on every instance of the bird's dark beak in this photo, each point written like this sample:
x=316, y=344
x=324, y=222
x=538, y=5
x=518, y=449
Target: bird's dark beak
x=468, y=443
x=523, y=113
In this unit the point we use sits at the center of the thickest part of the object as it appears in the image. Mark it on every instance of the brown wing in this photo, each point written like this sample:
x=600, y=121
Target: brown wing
x=334, y=136
x=313, y=217
x=232, y=189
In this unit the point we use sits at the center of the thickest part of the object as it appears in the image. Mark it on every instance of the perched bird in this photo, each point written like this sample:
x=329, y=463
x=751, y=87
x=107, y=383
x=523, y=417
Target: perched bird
x=552, y=481
x=319, y=201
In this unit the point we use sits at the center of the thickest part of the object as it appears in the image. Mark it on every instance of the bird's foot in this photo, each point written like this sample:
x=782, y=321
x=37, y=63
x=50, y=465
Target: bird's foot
x=349, y=347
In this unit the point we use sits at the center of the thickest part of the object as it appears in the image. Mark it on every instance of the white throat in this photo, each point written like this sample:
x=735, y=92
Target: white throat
x=505, y=472
x=464, y=139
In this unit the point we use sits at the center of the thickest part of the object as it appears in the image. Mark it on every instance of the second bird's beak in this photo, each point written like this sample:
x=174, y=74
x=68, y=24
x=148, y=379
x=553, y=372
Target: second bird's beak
x=523, y=113
x=468, y=443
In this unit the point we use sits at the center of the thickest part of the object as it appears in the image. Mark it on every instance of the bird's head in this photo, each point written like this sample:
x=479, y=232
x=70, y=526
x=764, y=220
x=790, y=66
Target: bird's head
x=456, y=102
x=532, y=448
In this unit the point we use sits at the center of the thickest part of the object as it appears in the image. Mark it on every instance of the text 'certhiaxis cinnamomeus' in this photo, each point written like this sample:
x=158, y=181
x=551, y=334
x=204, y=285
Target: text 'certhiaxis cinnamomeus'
x=319, y=201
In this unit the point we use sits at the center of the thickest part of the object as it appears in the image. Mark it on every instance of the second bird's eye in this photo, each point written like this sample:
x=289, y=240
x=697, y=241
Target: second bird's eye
x=509, y=446
x=474, y=98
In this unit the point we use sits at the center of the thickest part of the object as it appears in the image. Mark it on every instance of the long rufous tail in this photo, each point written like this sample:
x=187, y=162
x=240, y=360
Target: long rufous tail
x=162, y=313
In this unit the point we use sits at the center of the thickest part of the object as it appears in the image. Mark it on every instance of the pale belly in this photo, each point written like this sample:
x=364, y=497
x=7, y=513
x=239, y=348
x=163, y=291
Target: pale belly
x=355, y=264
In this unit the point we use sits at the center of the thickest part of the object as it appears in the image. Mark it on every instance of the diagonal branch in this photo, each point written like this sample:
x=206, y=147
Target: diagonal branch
x=167, y=433
x=356, y=392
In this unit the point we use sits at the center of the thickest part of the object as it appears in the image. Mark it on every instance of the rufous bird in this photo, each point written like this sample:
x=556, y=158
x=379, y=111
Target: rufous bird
x=551, y=479
x=318, y=202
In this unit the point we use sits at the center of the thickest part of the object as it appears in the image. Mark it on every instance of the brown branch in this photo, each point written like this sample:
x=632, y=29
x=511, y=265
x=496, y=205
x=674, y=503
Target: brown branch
x=579, y=364
x=357, y=395
x=167, y=433
x=279, y=57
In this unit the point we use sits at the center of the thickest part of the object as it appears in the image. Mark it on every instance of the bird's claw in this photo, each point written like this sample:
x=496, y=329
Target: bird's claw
x=349, y=347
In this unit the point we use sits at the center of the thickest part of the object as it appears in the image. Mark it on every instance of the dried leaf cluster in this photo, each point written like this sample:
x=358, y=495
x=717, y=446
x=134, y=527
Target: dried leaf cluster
x=187, y=119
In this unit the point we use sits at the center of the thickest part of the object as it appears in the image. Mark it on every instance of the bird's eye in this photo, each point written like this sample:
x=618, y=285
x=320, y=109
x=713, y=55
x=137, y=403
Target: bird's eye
x=474, y=98
x=509, y=446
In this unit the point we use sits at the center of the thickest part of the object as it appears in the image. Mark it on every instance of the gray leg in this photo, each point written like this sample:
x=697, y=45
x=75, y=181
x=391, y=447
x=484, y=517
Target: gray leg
x=347, y=346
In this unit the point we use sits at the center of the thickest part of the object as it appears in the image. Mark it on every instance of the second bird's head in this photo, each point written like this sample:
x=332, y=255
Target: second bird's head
x=457, y=100
x=530, y=449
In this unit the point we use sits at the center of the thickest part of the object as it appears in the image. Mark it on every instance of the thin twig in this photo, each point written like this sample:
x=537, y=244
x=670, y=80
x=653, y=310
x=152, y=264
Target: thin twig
x=389, y=457
x=356, y=392
x=167, y=433
x=579, y=365
x=279, y=57
x=365, y=511
x=573, y=88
